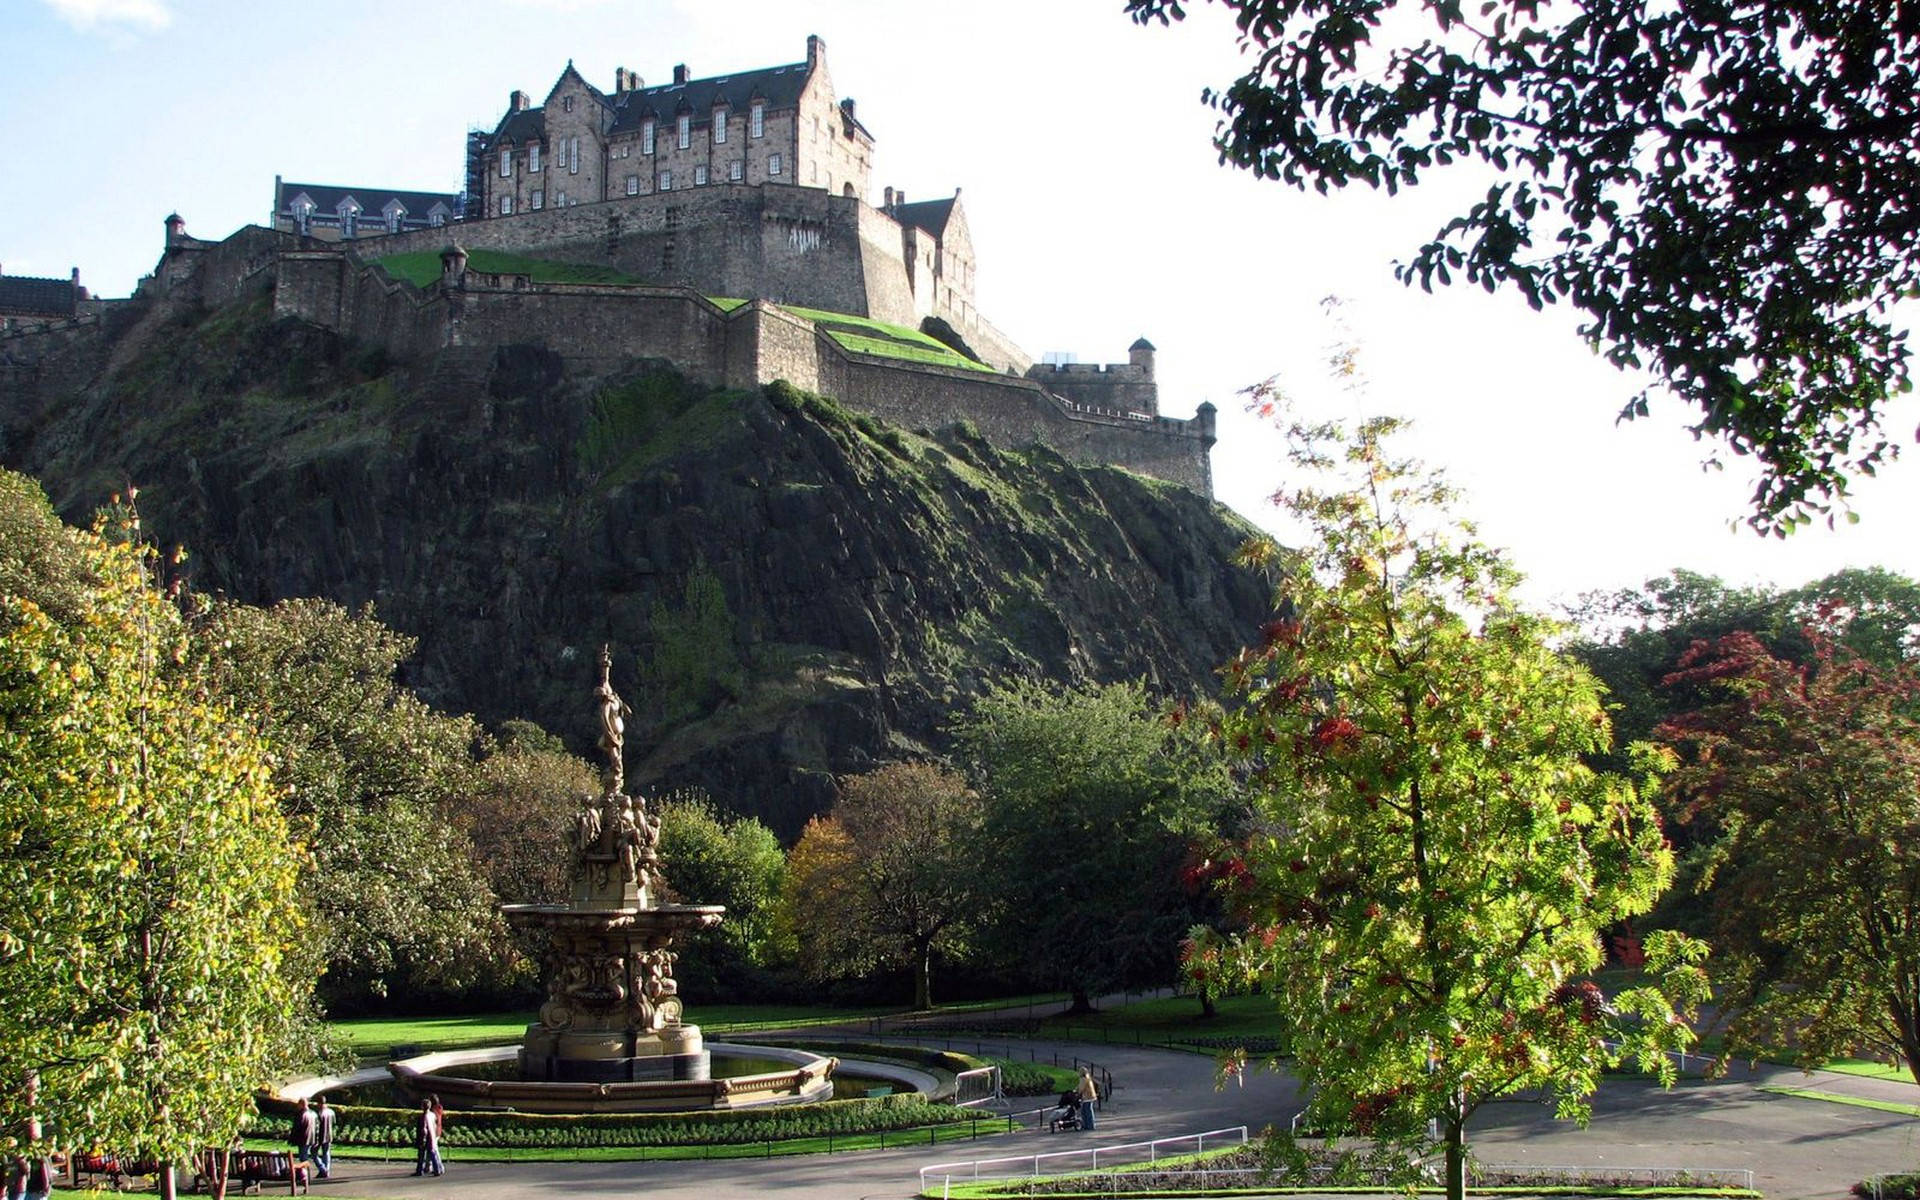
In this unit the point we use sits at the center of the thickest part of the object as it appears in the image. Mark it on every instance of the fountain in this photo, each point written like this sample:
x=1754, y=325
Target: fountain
x=610, y=1037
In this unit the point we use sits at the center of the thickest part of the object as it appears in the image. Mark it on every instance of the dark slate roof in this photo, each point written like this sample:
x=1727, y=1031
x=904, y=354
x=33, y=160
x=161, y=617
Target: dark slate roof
x=930, y=215
x=779, y=87
x=1141, y=344
x=521, y=127
x=23, y=294
x=373, y=201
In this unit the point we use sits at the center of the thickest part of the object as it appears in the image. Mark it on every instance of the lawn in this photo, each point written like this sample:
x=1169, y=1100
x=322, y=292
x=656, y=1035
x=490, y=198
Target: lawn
x=1175, y=1021
x=422, y=267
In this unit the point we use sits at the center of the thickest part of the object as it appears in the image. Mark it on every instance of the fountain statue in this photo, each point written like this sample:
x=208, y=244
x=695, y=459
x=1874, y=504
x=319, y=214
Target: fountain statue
x=609, y=1037
x=613, y=1009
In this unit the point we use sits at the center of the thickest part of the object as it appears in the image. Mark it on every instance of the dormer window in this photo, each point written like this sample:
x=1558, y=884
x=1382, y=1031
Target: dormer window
x=303, y=215
x=719, y=125
x=757, y=120
x=349, y=218
x=685, y=130
x=646, y=136
x=394, y=213
x=506, y=163
x=533, y=158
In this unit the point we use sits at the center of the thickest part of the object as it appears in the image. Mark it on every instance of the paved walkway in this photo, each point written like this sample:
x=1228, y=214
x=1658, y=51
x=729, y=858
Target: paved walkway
x=1795, y=1147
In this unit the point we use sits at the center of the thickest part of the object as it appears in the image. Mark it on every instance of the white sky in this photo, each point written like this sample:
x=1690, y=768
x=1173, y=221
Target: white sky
x=1098, y=209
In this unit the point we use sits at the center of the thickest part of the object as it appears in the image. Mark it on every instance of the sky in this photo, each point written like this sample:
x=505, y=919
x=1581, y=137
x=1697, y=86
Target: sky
x=1098, y=207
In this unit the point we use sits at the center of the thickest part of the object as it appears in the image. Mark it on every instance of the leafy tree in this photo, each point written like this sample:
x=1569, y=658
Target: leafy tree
x=371, y=778
x=147, y=879
x=902, y=882
x=1430, y=864
x=709, y=858
x=1092, y=797
x=1726, y=191
x=517, y=814
x=1807, y=777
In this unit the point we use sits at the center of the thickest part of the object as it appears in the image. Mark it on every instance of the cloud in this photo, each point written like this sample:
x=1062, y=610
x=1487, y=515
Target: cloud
x=88, y=15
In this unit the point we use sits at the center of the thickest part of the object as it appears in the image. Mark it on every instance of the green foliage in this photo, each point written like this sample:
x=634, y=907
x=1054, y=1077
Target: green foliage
x=393, y=1127
x=1725, y=191
x=1018, y=1077
x=422, y=267
x=370, y=778
x=889, y=877
x=516, y=813
x=695, y=664
x=147, y=902
x=1805, y=780
x=1429, y=864
x=1091, y=797
x=709, y=858
x=868, y=336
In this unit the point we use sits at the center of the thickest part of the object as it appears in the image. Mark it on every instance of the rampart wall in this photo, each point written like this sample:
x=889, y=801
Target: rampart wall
x=599, y=327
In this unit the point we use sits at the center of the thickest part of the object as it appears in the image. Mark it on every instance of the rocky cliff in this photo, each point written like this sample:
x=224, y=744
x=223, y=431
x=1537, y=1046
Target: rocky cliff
x=792, y=591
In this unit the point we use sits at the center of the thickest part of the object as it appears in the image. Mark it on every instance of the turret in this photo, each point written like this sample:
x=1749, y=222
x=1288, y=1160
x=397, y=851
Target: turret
x=453, y=264
x=1140, y=354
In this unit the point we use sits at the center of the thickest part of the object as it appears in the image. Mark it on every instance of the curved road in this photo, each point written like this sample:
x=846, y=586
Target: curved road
x=1795, y=1147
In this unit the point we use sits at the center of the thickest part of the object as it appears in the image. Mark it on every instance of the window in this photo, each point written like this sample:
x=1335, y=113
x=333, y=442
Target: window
x=684, y=130
x=646, y=137
x=633, y=185
x=559, y=199
x=506, y=206
x=566, y=104
x=303, y=216
x=773, y=164
x=700, y=175
x=573, y=157
x=757, y=121
x=533, y=158
x=436, y=218
x=539, y=198
x=736, y=170
x=506, y=163
x=666, y=181
x=393, y=219
x=349, y=220
x=719, y=126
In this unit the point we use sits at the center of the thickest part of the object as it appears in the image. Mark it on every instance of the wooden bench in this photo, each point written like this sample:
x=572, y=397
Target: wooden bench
x=98, y=1165
x=254, y=1169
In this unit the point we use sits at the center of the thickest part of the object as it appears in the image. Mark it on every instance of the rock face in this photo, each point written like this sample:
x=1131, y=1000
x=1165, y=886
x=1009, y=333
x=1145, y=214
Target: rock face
x=792, y=592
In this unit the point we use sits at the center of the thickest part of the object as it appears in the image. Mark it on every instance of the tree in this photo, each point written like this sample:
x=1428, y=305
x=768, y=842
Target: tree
x=1092, y=798
x=517, y=814
x=147, y=879
x=371, y=778
x=1727, y=192
x=1806, y=779
x=1430, y=865
x=710, y=858
x=903, y=883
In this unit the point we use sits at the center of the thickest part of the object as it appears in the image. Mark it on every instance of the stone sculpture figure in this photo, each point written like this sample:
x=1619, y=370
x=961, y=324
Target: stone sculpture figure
x=613, y=712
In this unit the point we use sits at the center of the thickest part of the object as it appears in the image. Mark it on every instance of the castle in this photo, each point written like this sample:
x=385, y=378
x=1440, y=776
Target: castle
x=699, y=194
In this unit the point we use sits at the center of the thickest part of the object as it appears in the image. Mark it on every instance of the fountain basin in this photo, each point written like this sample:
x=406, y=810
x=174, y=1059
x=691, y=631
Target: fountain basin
x=810, y=1079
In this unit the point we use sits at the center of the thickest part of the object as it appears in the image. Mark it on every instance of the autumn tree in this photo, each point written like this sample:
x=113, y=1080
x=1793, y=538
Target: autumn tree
x=1729, y=193
x=903, y=887
x=1092, y=800
x=1804, y=777
x=147, y=878
x=1429, y=864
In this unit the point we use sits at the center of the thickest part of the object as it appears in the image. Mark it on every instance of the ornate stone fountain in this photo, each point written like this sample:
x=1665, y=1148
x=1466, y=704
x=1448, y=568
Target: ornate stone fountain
x=610, y=1037
x=613, y=1008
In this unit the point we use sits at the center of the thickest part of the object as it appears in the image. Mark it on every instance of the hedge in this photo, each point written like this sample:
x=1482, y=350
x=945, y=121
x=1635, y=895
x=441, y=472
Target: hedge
x=393, y=1128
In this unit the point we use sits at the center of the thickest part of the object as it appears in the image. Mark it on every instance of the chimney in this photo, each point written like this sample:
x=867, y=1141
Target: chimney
x=517, y=101
x=889, y=203
x=680, y=73
x=846, y=106
x=816, y=49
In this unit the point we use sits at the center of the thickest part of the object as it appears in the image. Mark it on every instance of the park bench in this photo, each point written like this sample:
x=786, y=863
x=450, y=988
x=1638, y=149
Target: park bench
x=252, y=1170
x=97, y=1165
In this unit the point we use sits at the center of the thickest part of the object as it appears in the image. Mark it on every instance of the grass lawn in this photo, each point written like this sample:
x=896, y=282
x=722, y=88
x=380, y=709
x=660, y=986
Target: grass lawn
x=422, y=267
x=1907, y=1110
x=376, y=1036
x=1870, y=1069
x=1173, y=1020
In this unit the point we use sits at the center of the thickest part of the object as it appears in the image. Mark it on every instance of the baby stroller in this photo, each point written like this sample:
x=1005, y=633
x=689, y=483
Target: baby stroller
x=1067, y=1114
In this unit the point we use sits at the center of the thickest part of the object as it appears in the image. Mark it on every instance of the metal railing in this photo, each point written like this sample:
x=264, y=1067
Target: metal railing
x=1073, y=1162
x=978, y=1086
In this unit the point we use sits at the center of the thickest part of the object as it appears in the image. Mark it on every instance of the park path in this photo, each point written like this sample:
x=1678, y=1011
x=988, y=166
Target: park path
x=1797, y=1148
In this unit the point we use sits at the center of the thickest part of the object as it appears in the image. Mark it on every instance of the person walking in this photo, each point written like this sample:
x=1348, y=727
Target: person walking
x=323, y=1139
x=38, y=1182
x=1089, y=1093
x=439, y=1134
x=16, y=1177
x=302, y=1137
x=426, y=1141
